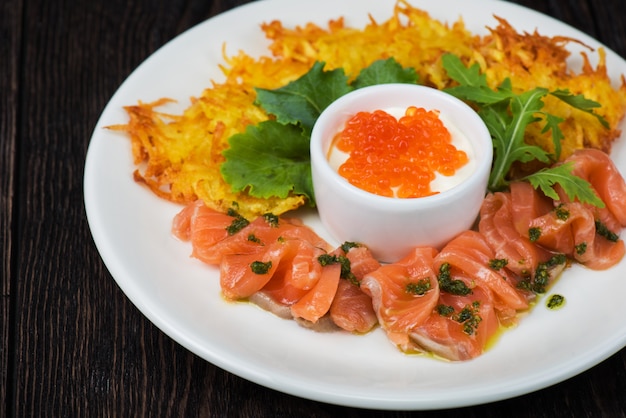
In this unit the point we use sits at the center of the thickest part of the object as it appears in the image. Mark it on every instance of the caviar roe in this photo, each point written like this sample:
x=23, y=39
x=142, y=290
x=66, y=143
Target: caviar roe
x=397, y=158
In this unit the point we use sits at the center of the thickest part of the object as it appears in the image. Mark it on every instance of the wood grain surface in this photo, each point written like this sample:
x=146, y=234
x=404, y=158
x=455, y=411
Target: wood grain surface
x=72, y=344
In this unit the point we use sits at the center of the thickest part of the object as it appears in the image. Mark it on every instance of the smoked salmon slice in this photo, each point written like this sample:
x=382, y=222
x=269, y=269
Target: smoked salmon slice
x=404, y=294
x=242, y=275
x=470, y=253
x=201, y=225
x=297, y=272
x=295, y=259
x=214, y=234
x=498, y=226
x=460, y=327
x=526, y=204
x=181, y=224
x=352, y=308
x=572, y=230
x=316, y=303
x=600, y=171
x=362, y=261
x=250, y=239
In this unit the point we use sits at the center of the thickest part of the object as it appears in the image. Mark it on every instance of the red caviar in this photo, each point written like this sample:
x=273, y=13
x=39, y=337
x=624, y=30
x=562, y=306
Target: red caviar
x=397, y=158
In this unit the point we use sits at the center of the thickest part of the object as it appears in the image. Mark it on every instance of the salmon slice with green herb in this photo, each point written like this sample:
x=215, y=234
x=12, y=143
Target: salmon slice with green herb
x=352, y=308
x=404, y=294
x=471, y=254
x=214, y=233
x=460, y=327
x=317, y=301
x=498, y=226
x=245, y=237
x=242, y=275
x=572, y=230
x=527, y=203
x=298, y=271
x=361, y=259
x=244, y=240
x=295, y=261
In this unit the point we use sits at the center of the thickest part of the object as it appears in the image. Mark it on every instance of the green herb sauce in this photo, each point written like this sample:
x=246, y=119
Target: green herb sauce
x=561, y=213
x=444, y=310
x=346, y=271
x=581, y=248
x=534, y=234
x=469, y=318
x=347, y=246
x=271, y=219
x=498, y=263
x=237, y=224
x=446, y=284
x=418, y=288
x=555, y=302
x=254, y=238
x=604, y=231
x=542, y=274
x=259, y=267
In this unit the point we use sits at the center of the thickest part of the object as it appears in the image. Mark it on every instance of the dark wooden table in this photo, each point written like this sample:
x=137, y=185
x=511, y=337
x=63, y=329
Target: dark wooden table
x=71, y=343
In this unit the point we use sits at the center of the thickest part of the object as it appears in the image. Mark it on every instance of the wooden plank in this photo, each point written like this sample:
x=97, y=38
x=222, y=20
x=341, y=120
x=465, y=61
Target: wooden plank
x=609, y=26
x=10, y=27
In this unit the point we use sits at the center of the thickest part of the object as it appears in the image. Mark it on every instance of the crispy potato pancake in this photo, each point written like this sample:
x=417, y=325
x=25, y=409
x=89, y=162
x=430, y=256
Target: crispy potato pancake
x=179, y=156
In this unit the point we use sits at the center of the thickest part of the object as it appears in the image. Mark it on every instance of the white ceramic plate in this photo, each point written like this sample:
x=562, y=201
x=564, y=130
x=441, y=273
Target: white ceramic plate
x=131, y=228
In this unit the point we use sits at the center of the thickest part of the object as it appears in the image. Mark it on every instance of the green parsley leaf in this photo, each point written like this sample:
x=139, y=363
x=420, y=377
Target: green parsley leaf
x=384, y=72
x=270, y=159
x=303, y=100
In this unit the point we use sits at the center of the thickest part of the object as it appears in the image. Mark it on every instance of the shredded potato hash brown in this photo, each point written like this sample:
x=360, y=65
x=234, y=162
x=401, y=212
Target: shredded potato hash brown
x=179, y=156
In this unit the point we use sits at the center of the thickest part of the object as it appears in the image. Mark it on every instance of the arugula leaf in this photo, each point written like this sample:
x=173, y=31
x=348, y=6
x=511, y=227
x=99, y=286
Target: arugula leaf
x=507, y=115
x=269, y=159
x=524, y=108
x=383, y=72
x=574, y=186
x=581, y=103
x=552, y=124
x=303, y=100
